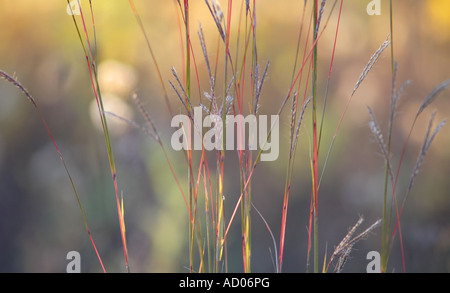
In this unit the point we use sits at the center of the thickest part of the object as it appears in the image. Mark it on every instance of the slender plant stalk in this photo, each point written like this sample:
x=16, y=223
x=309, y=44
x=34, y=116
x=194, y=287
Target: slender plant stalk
x=192, y=199
x=92, y=66
x=391, y=27
x=188, y=154
x=13, y=81
x=289, y=169
x=329, y=72
x=188, y=90
x=386, y=223
x=427, y=101
x=315, y=150
x=247, y=204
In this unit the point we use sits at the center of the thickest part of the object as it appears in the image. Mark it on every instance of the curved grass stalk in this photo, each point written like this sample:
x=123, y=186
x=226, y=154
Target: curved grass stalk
x=13, y=81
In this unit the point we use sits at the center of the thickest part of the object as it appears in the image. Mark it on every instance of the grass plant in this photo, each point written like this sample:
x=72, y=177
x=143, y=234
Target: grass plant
x=236, y=77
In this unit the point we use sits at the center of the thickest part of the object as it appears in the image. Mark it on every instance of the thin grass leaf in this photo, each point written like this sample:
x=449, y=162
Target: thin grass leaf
x=299, y=37
x=364, y=73
x=123, y=224
x=329, y=73
x=147, y=40
x=324, y=267
x=271, y=235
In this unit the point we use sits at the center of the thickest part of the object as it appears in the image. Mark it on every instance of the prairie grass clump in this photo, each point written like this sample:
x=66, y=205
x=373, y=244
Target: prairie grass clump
x=392, y=177
x=222, y=72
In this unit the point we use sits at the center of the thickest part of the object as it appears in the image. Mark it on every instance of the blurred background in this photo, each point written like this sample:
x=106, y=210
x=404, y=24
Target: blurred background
x=40, y=220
